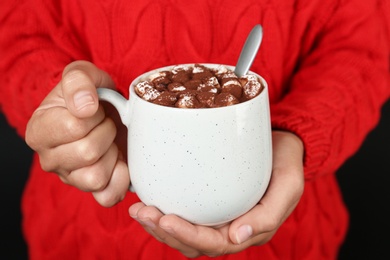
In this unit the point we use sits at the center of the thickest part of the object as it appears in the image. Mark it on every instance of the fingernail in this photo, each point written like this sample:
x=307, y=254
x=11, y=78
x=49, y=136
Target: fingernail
x=168, y=229
x=148, y=223
x=82, y=99
x=243, y=233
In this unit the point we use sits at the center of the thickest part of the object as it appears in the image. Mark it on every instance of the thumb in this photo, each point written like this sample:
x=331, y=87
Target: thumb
x=79, y=82
x=282, y=196
x=249, y=225
x=280, y=199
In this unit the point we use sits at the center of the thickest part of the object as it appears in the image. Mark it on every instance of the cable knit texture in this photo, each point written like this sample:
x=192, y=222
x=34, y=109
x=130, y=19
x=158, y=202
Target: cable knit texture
x=326, y=62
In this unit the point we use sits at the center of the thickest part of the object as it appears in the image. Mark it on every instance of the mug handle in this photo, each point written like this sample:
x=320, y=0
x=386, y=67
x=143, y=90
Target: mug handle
x=118, y=101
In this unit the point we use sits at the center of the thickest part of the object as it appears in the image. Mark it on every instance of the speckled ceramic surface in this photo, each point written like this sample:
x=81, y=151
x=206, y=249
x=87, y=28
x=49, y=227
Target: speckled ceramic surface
x=208, y=166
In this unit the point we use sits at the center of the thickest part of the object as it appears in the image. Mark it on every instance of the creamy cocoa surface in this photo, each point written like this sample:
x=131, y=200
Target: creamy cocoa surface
x=198, y=86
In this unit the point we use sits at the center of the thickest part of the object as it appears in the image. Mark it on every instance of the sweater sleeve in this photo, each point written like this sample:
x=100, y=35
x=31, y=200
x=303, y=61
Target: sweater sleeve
x=34, y=48
x=337, y=92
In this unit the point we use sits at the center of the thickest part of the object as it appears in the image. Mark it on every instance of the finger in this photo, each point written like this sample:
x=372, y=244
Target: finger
x=208, y=240
x=81, y=153
x=149, y=217
x=133, y=210
x=96, y=176
x=282, y=195
x=79, y=82
x=46, y=131
x=255, y=224
x=271, y=212
x=117, y=187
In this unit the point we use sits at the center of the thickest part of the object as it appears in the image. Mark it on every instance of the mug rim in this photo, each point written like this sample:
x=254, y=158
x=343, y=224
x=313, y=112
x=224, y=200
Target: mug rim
x=145, y=74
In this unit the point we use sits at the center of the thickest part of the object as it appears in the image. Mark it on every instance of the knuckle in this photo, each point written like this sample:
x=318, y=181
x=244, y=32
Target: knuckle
x=219, y=248
x=88, y=151
x=79, y=66
x=94, y=180
x=74, y=128
x=220, y=251
x=271, y=223
x=109, y=199
x=30, y=139
x=46, y=164
x=32, y=134
x=73, y=75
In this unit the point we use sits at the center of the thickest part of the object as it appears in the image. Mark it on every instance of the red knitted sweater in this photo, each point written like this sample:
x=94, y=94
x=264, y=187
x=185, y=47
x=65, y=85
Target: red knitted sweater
x=326, y=62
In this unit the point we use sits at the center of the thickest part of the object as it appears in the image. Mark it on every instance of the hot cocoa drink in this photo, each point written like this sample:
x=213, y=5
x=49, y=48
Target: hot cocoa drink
x=173, y=151
x=198, y=86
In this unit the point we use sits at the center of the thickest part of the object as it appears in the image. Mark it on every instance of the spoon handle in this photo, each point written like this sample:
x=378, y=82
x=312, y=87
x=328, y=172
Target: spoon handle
x=249, y=51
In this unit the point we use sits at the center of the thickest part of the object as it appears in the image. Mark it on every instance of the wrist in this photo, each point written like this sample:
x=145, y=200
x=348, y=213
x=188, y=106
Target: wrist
x=288, y=141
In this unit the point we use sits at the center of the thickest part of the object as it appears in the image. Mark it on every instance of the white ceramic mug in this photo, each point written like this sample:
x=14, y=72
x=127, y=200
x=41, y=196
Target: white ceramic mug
x=206, y=165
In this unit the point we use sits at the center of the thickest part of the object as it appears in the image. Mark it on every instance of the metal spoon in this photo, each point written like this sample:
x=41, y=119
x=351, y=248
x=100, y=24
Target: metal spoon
x=249, y=51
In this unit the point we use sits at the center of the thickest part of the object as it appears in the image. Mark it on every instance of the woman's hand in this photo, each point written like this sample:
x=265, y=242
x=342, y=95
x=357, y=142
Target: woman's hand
x=74, y=136
x=256, y=227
